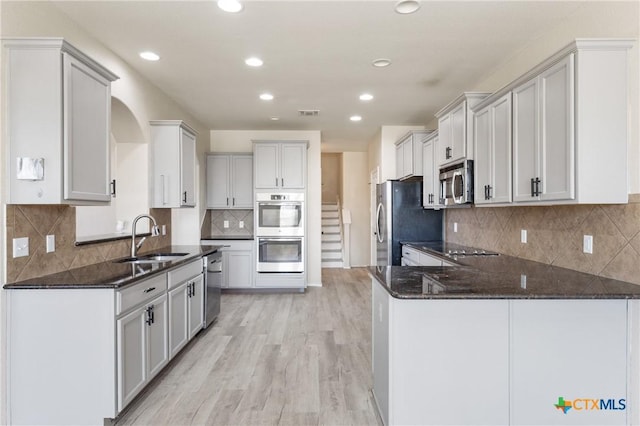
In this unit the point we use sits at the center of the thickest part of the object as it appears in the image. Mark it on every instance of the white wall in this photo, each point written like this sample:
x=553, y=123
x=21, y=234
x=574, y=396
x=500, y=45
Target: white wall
x=355, y=178
x=240, y=141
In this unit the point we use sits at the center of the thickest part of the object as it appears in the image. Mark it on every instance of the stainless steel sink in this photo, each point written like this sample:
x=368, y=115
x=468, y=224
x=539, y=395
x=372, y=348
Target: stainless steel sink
x=152, y=258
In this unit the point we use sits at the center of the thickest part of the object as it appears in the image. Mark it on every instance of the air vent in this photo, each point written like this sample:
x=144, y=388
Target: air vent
x=308, y=112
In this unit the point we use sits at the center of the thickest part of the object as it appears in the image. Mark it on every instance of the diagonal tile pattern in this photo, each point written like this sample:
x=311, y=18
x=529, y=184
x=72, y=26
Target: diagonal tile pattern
x=555, y=235
x=38, y=221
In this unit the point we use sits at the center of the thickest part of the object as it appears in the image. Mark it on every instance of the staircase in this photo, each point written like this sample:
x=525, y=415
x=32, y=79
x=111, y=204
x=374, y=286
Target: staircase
x=331, y=236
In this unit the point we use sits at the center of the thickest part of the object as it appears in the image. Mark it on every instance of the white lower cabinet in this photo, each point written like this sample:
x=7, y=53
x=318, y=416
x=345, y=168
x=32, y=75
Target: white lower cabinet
x=414, y=257
x=142, y=347
x=238, y=266
x=186, y=304
x=102, y=349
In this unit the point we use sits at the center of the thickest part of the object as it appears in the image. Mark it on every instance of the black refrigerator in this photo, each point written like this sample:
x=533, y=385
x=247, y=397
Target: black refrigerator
x=400, y=217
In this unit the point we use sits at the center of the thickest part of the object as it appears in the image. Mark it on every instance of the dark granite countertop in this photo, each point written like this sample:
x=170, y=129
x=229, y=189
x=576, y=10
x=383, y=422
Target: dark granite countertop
x=495, y=277
x=110, y=274
x=227, y=237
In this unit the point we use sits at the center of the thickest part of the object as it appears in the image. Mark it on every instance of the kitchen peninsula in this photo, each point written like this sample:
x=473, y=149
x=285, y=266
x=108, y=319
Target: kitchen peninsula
x=502, y=340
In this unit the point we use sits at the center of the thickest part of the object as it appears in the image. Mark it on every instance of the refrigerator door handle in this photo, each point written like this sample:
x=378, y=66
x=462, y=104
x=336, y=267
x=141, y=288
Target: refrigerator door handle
x=379, y=212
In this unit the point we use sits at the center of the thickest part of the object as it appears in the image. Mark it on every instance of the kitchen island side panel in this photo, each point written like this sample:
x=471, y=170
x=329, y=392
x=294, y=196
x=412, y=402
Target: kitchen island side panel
x=61, y=356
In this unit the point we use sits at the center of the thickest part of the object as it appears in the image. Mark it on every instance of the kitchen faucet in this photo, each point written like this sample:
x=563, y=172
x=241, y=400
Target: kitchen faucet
x=154, y=232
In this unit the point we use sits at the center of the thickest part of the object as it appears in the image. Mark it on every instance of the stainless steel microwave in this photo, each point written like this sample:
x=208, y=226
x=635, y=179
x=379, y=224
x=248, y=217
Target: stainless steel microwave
x=456, y=184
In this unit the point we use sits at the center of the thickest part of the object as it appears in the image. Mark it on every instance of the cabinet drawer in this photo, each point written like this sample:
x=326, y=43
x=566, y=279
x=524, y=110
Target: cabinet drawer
x=411, y=254
x=139, y=293
x=428, y=260
x=184, y=273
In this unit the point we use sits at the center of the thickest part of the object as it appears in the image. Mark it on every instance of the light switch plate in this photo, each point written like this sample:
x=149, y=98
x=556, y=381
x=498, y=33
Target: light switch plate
x=226, y=224
x=51, y=243
x=587, y=245
x=241, y=224
x=21, y=247
x=455, y=226
x=164, y=229
x=523, y=236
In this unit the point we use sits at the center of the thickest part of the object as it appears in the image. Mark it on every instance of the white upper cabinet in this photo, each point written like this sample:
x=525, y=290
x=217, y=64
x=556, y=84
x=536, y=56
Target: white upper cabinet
x=409, y=154
x=229, y=181
x=280, y=165
x=431, y=173
x=492, y=135
x=570, y=126
x=455, y=124
x=173, y=164
x=543, y=139
x=58, y=120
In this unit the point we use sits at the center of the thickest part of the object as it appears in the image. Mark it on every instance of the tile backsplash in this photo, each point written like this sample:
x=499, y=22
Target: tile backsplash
x=555, y=235
x=38, y=221
x=214, y=220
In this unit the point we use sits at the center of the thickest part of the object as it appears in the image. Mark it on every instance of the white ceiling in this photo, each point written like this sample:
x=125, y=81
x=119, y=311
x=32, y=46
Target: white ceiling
x=317, y=55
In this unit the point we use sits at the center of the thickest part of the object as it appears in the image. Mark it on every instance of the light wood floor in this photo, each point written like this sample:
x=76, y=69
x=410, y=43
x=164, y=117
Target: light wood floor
x=274, y=359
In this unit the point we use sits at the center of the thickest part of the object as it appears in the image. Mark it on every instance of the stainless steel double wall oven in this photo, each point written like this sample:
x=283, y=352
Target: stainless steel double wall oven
x=280, y=232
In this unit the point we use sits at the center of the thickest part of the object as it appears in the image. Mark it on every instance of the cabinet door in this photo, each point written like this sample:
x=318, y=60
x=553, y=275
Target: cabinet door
x=240, y=269
x=178, y=314
x=157, y=336
x=408, y=160
x=525, y=139
x=218, y=183
x=443, y=154
x=483, y=155
x=293, y=165
x=242, y=181
x=428, y=181
x=266, y=166
x=400, y=161
x=187, y=169
x=500, y=191
x=556, y=128
x=132, y=356
x=196, y=306
x=459, y=132
x=87, y=110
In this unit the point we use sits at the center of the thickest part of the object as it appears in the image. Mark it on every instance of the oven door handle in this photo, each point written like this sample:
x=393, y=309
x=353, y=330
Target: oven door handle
x=263, y=240
x=280, y=203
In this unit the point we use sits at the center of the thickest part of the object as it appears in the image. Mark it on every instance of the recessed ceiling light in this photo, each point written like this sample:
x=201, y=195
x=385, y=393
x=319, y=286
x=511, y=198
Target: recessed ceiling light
x=355, y=118
x=149, y=56
x=275, y=118
x=253, y=62
x=366, y=97
x=407, y=6
x=231, y=6
x=266, y=96
x=382, y=62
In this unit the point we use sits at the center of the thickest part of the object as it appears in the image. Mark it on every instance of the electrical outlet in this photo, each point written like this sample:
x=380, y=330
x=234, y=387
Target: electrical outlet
x=241, y=224
x=21, y=247
x=587, y=246
x=523, y=236
x=51, y=243
x=226, y=224
x=523, y=281
x=164, y=229
x=455, y=226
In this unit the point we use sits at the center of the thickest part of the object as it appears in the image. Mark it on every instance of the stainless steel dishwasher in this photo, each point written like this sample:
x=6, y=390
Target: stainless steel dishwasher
x=213, y=284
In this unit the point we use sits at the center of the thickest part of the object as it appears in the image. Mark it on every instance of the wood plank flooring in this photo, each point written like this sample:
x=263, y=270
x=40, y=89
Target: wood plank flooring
x=273, y=359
